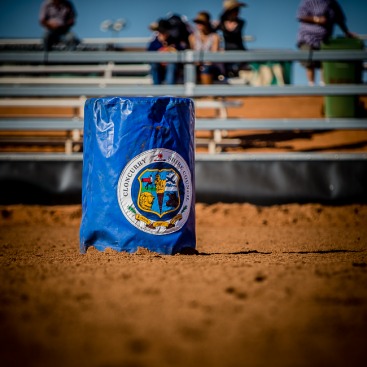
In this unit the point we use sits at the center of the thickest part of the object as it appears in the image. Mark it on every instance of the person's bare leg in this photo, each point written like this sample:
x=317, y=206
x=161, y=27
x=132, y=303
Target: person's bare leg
x=322, y=81
x=206, y=78
x=310, y=72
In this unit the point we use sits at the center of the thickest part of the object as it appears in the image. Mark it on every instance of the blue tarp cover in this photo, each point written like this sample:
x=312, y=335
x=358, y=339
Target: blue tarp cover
x=138, y=174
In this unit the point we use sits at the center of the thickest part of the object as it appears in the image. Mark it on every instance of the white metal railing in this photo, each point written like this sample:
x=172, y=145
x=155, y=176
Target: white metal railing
x=10, y=88
x=75, y=125
x=187, y=56
x=101, y=81
x=47, y=123
x=78, y=103
x=106, y=69
x=217, y=125
x=113, y=60
x=188, y=90
x=92, y=41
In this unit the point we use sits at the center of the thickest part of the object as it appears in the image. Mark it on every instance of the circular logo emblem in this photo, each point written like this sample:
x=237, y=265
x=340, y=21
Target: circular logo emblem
x=154, y=191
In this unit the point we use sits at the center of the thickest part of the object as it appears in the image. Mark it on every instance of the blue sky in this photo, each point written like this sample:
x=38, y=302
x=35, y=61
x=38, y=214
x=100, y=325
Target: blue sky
x=272, y=23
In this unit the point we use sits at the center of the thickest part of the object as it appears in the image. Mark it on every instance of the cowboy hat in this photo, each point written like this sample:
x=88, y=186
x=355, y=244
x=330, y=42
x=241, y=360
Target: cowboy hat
x=162, y=26
x=232, y=4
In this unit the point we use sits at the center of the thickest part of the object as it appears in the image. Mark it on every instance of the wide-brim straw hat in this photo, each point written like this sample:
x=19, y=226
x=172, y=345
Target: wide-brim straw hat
x=153, y=26
x=229, y=5
x=203, y=18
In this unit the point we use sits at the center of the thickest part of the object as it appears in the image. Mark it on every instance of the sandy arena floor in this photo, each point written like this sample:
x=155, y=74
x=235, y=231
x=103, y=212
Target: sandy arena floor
x=272, y=286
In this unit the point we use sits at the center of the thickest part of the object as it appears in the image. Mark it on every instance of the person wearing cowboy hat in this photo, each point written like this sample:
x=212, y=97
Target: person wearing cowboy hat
x=162, y=73
x=204, y=38
x=231, y=26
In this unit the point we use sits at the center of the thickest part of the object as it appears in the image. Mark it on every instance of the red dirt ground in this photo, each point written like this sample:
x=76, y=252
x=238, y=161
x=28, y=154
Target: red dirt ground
x=272, y=286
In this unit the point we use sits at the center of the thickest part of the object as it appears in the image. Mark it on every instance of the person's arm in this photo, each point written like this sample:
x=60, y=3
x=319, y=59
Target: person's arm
x=313, y=19
x=340, y=20
x=70, y=21
x=43, y=15
x=216, y=41
x=344, y=28
x=192, y=41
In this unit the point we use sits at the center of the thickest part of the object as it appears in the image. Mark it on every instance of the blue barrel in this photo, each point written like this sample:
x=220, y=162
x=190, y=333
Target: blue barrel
x=138, y=174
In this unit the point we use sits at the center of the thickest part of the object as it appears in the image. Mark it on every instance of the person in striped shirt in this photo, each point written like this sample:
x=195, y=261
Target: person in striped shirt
x=317, y=19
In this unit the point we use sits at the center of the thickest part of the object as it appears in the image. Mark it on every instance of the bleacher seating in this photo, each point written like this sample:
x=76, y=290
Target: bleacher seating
x=68, y=78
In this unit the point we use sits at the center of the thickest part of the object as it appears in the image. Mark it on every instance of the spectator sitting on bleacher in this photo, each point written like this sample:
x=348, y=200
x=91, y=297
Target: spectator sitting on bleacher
x=205, y=39
x=180, y=31
x=232, y=26
x=163, y=73
x=58, y=17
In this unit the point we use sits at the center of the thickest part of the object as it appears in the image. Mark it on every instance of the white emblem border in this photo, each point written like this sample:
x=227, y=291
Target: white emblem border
x=127, y=177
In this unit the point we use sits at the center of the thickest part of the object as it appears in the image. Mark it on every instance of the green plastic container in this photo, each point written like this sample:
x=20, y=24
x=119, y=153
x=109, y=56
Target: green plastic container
x=342, y=72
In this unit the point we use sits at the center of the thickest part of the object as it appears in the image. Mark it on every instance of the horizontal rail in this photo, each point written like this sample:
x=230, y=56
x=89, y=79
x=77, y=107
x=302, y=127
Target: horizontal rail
x=144, y=80
x=89, y=57
x=179, y=90
x=49, y=102
x=243, y=157
x=188, y=56
x=98, y=68
x=286, y=90
x=13, y=124
x=43, y=157
x=76, y=91
x=286, y=156
x=104, y=40
x=91, y=41
x=79, y=102
x=282, y=124
x=16, y=124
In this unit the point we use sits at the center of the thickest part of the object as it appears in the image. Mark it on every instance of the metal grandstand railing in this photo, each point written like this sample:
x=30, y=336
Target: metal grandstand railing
x=187, y=57
x=110, y=61
x=102, y=42
x=189, y=88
